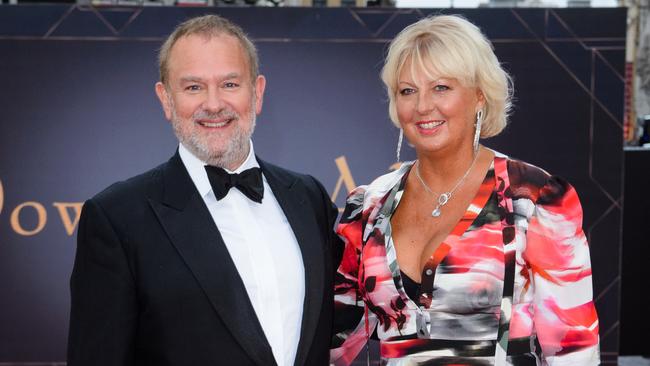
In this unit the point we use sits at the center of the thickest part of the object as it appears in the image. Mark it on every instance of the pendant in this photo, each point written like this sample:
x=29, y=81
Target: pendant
x=442, y=200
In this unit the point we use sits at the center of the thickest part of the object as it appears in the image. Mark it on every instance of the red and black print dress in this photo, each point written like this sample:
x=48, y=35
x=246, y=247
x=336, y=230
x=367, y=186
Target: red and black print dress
x=511, y=285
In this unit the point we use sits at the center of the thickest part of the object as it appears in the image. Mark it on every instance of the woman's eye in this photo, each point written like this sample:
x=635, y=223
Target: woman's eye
x=406, y=91
x=440, y=87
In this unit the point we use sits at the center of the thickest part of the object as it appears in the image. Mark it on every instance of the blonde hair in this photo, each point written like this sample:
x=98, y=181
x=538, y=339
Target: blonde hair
x=207, y=26
x=454, y=48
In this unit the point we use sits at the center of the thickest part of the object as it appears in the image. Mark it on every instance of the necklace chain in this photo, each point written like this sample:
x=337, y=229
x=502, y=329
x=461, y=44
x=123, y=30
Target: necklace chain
x=444, y=197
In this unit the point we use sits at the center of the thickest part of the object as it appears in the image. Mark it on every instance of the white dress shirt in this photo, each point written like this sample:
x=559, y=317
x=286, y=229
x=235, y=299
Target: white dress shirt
x=265, y=251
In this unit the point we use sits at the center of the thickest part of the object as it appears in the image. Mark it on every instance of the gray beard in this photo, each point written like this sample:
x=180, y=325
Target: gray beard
x=229, y=156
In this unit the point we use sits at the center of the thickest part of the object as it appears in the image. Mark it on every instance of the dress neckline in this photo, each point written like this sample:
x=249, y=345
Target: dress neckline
x=473, y=210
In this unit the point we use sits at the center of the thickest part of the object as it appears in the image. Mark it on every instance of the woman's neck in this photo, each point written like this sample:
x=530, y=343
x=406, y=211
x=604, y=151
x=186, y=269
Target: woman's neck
x=442, y=170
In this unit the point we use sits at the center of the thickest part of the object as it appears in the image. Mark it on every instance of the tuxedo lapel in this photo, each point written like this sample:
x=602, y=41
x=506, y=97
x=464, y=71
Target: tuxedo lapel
x=190, y=227
x=292, y=195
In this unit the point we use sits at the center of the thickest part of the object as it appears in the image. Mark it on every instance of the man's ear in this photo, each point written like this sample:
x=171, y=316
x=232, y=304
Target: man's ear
x=260, y=85
x=163, y=97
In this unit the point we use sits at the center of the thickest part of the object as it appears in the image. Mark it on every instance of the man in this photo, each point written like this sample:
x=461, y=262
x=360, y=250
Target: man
x=215, y=257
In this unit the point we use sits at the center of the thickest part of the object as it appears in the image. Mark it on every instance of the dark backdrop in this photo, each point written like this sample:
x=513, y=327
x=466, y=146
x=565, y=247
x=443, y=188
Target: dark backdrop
x=79, y=112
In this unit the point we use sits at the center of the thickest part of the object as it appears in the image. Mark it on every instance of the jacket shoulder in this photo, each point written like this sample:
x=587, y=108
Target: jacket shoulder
x=523, y=173
x=532, y=182
x=131, y=191
x=380, y=186
x=284, y=172
x=286, y=175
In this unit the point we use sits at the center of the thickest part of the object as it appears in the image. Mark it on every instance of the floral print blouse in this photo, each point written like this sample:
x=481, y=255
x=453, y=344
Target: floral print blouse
x=511, y=284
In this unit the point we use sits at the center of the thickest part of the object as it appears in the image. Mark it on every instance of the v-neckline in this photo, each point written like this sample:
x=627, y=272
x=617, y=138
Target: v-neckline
x=472, y=212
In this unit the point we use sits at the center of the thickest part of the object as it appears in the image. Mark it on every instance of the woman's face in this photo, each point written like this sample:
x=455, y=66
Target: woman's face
x=437, y=113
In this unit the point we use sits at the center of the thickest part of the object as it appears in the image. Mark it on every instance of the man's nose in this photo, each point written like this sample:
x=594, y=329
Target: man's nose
x=213, y=101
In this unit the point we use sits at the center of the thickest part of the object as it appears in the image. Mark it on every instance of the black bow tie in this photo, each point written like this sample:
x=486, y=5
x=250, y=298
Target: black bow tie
x=249, y=182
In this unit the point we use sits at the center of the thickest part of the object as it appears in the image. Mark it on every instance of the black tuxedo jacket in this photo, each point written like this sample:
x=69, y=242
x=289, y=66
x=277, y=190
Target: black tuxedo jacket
x=153, y=283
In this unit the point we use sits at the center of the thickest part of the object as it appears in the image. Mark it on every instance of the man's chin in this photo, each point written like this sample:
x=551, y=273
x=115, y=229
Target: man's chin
x=211, y=156
x=223, y=159
x=217, y=152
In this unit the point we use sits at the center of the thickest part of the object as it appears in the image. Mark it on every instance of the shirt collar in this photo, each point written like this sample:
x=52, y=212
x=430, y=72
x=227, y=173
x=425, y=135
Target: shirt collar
x=196, y=170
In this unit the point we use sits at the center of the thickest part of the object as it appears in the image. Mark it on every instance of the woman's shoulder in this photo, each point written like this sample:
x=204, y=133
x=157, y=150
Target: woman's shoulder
x=532, y=182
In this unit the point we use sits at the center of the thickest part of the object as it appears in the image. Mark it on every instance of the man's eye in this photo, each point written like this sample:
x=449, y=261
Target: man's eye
x=193, y=88
x=406, y=91
x=230, y=85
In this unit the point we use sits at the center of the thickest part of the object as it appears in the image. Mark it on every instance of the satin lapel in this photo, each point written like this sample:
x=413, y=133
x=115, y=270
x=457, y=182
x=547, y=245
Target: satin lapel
x=292, y=195
x=190, y=227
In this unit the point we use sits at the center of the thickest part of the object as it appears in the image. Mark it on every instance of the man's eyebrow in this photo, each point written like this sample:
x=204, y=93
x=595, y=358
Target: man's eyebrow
x=190, y=78
x=232, y=75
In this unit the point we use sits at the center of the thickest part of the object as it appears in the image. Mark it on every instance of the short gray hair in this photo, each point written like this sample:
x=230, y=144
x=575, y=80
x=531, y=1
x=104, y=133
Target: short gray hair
x=208, y=26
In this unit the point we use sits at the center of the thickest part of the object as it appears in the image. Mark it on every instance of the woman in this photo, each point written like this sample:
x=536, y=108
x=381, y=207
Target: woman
x=464, y=256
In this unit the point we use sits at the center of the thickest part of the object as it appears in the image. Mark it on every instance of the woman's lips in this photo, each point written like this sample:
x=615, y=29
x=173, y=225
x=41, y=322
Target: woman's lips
x=429, y=127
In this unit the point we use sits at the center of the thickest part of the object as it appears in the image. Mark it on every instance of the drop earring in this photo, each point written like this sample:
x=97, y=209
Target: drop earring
x=477, y=131
x=399, y=143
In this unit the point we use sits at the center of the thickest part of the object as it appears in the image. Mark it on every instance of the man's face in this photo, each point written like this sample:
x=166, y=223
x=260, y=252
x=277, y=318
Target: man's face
x=211, y=99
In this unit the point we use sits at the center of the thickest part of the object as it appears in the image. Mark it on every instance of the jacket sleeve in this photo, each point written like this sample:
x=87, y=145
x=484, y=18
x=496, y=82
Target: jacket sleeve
x=557, y=254
x=349, y=322
x=331, y=213
x=103, y=314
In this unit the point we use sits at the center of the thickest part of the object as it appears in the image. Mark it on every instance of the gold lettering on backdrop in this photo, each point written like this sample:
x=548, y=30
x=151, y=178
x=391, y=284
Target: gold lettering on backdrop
x=345, y=177
x=70, y=212
x=69, y=223
x=42, y=218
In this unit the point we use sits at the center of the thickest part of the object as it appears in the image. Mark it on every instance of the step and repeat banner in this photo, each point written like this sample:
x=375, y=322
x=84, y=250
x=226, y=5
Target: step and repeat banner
x=79, y=113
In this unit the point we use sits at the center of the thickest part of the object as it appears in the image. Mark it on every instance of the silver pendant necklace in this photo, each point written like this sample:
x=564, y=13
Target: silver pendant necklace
x=443, y=198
